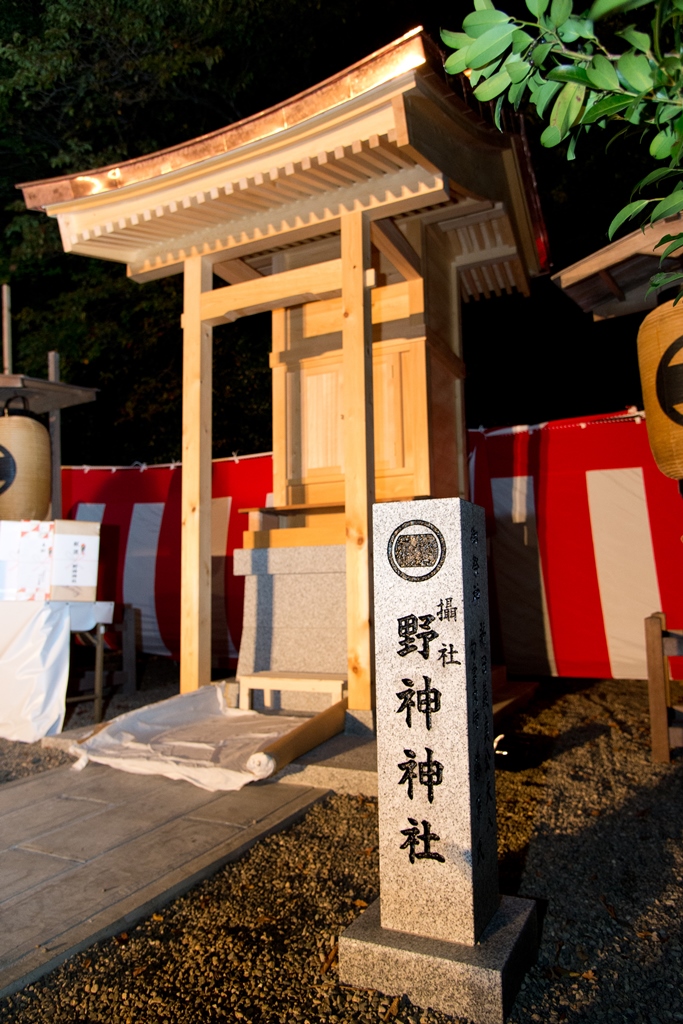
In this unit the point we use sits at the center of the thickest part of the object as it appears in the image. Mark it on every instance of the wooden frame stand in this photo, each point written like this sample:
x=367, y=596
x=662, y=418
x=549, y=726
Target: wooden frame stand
x=661, y=644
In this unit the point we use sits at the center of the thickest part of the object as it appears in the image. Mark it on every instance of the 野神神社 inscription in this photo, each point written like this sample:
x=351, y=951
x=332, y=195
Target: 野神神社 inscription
x=439, y=931
x=438, y=864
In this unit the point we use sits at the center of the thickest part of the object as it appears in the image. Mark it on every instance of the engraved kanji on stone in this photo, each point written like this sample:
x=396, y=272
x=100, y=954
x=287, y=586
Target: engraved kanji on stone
x=428, y=701
x=477, y=767
x=482, y=633
x=446, y=610
x=474, y=536
x=476, y=594
x=447, y=655
x=409, y=774
x=412, y=628
x=429, y=773
x=407, y=703
x=475, y=565
x=413, y=839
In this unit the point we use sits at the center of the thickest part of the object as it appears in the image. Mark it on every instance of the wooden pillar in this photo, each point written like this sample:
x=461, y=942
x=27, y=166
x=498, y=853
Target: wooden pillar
x=359, y=456
x=55, y=424
x=658, y=688
x=195, y=558
x=460, y=421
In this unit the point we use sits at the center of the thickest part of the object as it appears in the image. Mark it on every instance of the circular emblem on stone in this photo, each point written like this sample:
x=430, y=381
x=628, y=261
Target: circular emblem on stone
x=8, y=469
x=669, y=383
x=416, y=550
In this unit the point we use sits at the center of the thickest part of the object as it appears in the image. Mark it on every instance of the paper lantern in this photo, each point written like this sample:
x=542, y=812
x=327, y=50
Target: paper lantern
x=24, y=467
x=660, y=357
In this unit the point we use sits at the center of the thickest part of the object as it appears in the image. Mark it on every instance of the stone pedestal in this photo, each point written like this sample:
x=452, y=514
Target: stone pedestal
x=439, y=912
x=478, y=982
x=294, y=616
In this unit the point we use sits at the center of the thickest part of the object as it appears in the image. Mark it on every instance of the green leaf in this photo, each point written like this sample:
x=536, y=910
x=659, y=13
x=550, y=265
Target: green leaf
x=537, y=7
x=489, y=90
x=560, y=11
x=490, y=45
x=551, y=137
x=640, y=40
x=628, y=211
x=520, y=40
x=570, y=31
x=540, y=53
x=675, y=243
x=659, y=280
x=479, y=22
x=662, y=144
x=568, y=73
x=649, y=179
x=483, y=5
x=636, y=70
x=602, y=75
x=457, y=62
x=515, y=94
x=634, y=111
x=544, y=95
x=456, y=40
x=667, y=111
x=601, y=8
x=496, y=113
x=567, y=107
x=517, y=70
x=571, y=148
x=585, y=28
x=668, y=207
x=671, y=65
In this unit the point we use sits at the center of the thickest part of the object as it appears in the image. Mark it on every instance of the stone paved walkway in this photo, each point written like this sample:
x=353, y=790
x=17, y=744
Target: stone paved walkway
x=85, y=854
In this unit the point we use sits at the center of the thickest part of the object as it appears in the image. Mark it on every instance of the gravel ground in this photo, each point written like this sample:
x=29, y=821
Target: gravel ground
x=587, y=825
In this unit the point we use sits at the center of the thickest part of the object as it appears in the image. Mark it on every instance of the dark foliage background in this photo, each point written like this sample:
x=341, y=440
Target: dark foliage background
x=86, y=83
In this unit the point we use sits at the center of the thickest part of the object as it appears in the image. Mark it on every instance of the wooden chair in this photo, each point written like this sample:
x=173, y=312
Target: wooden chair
x=662, y=644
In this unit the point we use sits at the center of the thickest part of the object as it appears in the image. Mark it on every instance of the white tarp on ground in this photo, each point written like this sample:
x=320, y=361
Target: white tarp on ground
x=195, y=737
x=34, y=668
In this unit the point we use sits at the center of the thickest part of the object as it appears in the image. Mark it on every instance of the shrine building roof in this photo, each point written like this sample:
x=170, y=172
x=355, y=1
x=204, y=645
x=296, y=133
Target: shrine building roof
x=388, y=135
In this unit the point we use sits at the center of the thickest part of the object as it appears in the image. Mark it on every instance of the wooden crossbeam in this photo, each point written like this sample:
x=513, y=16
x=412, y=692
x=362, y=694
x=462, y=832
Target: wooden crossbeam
x=484, y=257
x=290, y=288
x=393, y=244
x=236, y=271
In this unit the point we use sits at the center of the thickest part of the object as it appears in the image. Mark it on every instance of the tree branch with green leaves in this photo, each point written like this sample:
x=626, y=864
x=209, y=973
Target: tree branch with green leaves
x=587, y=70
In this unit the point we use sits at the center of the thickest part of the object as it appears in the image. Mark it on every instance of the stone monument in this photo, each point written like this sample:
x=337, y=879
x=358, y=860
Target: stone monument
x=440, y=932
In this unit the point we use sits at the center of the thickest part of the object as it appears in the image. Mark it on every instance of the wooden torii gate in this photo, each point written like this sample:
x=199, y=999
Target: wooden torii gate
x=362, y=209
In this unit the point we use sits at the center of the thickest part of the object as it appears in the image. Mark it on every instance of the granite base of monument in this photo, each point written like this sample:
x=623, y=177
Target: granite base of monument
x=479, y=982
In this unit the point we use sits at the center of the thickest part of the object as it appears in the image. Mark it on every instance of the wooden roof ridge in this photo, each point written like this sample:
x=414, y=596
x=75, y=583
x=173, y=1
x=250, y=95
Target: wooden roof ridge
x=404, y=54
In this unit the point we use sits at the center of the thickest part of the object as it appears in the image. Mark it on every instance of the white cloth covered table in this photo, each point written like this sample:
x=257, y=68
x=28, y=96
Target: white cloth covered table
x=34, y=662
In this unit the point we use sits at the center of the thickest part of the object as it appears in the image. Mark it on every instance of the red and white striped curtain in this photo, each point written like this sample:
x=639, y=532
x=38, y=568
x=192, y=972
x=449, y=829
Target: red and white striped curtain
x=139, y=509
x=586, y=540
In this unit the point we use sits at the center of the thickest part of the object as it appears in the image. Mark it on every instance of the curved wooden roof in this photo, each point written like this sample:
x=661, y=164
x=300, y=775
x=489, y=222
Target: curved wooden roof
x=392, y=60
